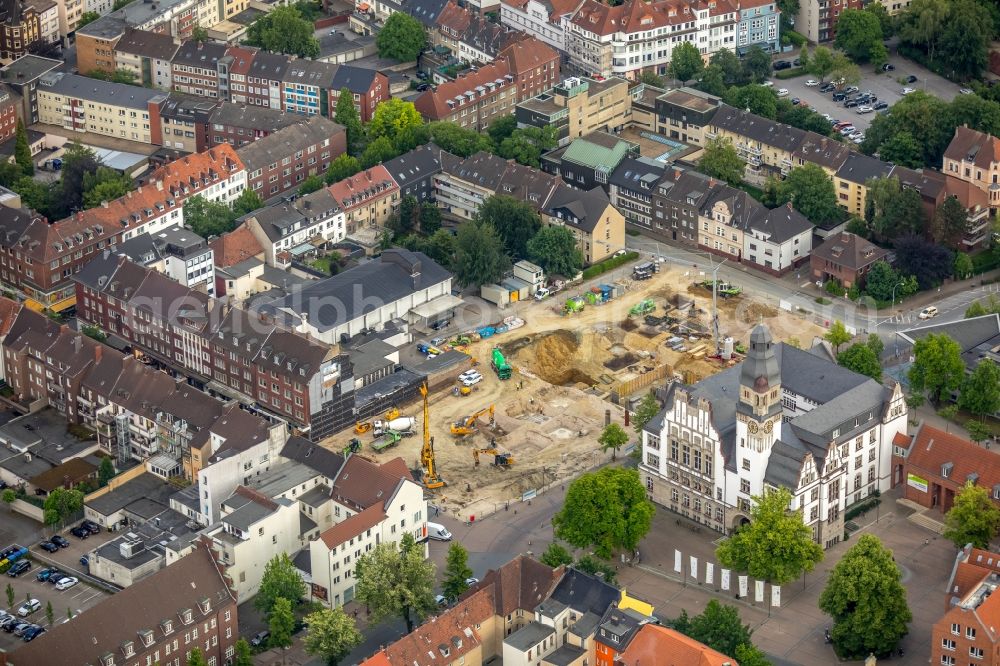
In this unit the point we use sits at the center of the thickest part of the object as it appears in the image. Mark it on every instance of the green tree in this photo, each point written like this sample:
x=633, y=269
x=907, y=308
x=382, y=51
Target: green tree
x=903, y=149
x=720, y=628
x=10, y=595
x=458, y=140
x=892, y=210
x=811, y=192
x=950, y=222
x=556, y=555
x=589, y=564
x=845, y=72
x=685, y=61
x=331, y=635
x=721, y=160
x=964, y=43
x=104, y=184
x=208, y=218
x=975, y=310
x=651, y=78
x=479, y=254
x=311, y=184
x=516, y=222
x=501, y=128
x=861, y=359
x=37, y=196
x=394, y=118
x=822, y=61
x=613, y=437
x=401, y=38
x=430, y=218
x=408, y=216
x=22, y=153
x=859, y=35
x=712, y=81
x=197, y=658
x=247, y=202
x=281, y=623
x=885, y=21
x=937, y=367
x=525, y=145
x=977, y=430
x=396, y=581
x=837, y=335
x=87, y=17
x=343, y=166
x=50, y=614
x=973, y=518
x=962, y=267
x=867, y=602
x=647, y=408
x=733, y=72
x=751, y=655
x=980, y=393
x=554, y=249
x=757, y=64
x=8, y=496
x=948, y=412
x=105, y=472
x=60, y=504
x=244, y=655
x=120, y=75
x=346, y=114
x=607, y=510
x=456, y=572
x=378, y=151
x=280, y=580
x=883, y=282
x=199, y=34
x=776, y=545
x=283, y=30
x=757, y=99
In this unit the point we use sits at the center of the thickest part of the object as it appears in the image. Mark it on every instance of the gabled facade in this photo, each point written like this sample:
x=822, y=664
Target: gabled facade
x=975, y=158
x=966, y=633
x=285, y=227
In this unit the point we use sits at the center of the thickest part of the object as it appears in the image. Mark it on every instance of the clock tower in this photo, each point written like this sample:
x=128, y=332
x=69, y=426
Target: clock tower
x=758, y=411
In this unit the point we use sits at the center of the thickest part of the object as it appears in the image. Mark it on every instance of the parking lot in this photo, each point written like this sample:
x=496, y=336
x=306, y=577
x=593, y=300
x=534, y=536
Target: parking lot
x=77, y=599
x=885, y=85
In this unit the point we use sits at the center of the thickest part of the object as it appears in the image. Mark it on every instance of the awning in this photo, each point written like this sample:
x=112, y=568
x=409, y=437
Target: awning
x=437, y=306
x=300, y=250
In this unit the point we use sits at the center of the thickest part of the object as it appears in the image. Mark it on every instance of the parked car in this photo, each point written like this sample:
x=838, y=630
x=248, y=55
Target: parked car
x=966, y=91
x=864, y=109
x=441, y=600
x=85, y=561
x=911, y=79
x=438, y=532
x=29, y=607
x=44, y=574
x=827, y=87
x=23, y=627
x=782, y=92
x=781, y=64
x=423, y=86
x=9, y=622
x=796, y=62
x=850, y=103
x=469, y=374
x=48, y=546
x=839, y=96
x=67, y=583
x=472, y=381
x=55, y=575
x=768, y=84
x=881, y=105
x=795, y=101
x=60, y=541
x=471, y=581
x=888, y=67
x=92, y=526
x=34, y=632
x=928, y=312
x=260, y=638
x=850, y=90
x=844, y=131
x=18, y=568
x=907, y=91
x=812, y=82
x=541, y=293
x=80, y=532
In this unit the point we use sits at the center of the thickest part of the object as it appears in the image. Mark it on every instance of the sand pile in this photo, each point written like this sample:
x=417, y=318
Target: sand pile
x=754, y=312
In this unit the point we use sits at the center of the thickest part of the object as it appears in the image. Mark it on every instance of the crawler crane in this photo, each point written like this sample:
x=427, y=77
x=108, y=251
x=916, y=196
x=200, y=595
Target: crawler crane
x=431, y=479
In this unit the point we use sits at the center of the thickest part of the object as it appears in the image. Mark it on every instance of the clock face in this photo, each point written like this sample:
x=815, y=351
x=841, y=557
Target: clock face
x=753, y=427
x=768, y=427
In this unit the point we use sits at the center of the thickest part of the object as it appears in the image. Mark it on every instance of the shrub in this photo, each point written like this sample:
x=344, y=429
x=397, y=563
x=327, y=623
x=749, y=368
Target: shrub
x=862, y=508
x=790, y=73
x=834, y=287
x=795, y=38
x=823, y=301
x=609, y=264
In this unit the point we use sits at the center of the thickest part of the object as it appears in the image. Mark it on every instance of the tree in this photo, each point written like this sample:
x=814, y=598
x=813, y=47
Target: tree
x=902, y=149
x=247, y=202
x=458, y=140
x=556, y=555
x=613, y=437
x=973, y=518
x=501, y=128
x=197, y=658
x=750, y=655
x=60, y=504
x=757, y=99
x=651, y=78
x=104, y=184
x=347, y=115
x=85, y=18
x=837, y=335
x=456, y=571
x=311, y=184
x=10, y=595
x=8, y=496
x=875, y=344
x=394, y=118
x=105, y=472
x=950, y=222
x=525, y=145
x=883, y=282
x=845, y=72
x=408, y=216
x=733, y=72
x=977, y=430
x=886, y=22
x=822, y=61
x=199, y=34
x=926, y=118
x=283, y=30
x=892, y=210
x=720, y=628
x=721, y=160
x=861, y=359
x=378, y=151
x=607, y=510
x=208, y=218
x=685, y=61
x=401, y=38
x=712, y=81
x=244, y=655
x=589, y=564
x=964, y=43
x=479, y=254
x=22, y=153
x=554, y=249
x=50, y=614
x=396, y=581
x=516, y=222
x=331, y=635
x=867, y=602
x=647, y=408
x=757, y=64
x=859, y=35
x=280, y=580
x=281, y=623
x=937, y=367
x=776, y=545
x=929, y=263
x=343, y=166
x=980, y=393
x=430, y=218
x=811, y=192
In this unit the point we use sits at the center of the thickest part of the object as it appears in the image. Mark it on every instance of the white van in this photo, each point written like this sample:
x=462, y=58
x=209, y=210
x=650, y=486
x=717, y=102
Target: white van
x=438, y=532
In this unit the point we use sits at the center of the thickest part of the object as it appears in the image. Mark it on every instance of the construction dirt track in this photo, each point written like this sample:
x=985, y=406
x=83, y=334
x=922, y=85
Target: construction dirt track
x=552, y=410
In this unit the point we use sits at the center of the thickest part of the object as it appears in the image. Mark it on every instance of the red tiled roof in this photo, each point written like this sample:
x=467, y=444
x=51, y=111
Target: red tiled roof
x=527, y=54
x=983, y=148
x=364, y=483
x=8, y=312
x=933, y=448
x=256, y=497
x=966, y=192
x=632, y=16
x=377, y=659
x=658, y=645
x=362, y=188
x=433, y=104
x=454, y=18
x=234, y=247
x=353, y=526
x=242, y=59
x=454, y=631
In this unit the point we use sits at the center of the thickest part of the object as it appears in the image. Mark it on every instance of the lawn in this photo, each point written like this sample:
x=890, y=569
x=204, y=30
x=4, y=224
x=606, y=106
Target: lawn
x=321, y=264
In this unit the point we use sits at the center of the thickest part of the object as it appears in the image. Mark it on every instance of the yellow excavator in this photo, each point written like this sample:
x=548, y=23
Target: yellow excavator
x=468, y=425
x=361, y=427
x=431, y=479
x=502, y=459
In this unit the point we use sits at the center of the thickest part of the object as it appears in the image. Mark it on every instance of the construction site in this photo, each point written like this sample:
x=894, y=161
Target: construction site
x=547, y=388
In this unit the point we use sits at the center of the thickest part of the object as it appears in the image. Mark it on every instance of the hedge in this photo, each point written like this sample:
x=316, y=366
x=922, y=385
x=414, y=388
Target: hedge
x=859, y=509
x=790, y=73
x=794, y=37
x=609, y=264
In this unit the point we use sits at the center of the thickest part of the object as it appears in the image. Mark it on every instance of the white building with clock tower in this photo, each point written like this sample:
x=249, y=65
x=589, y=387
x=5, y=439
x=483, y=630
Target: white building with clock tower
x=784, y=417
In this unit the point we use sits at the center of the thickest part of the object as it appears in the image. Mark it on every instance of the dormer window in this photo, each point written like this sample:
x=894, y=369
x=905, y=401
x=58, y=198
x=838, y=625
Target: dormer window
x=206, y=606
x=147, y=637
x=186, y=616
x=128, y=649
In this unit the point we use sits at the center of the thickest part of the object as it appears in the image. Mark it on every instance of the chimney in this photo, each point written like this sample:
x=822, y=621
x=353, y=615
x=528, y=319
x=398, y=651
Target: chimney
x=789, y=204
x=104, y=203
x=677, y=173
x=98, y=350
x=159, y=185
x=711, y=182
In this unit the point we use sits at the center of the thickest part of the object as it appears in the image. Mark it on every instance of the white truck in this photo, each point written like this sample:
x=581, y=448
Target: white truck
x=401, y=424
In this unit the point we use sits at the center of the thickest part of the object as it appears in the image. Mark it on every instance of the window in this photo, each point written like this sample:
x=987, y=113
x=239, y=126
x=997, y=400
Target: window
x=745, y=486
x=948, y=643
x=947, y=660
x=976, y=652
x=746, y=464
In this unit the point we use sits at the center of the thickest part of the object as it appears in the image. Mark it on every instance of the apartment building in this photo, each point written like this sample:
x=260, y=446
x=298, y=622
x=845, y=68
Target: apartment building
x=414, y=172
x=578, y=106
x=22, y=76
x=851, y=180
x=631, y=187
x=975, y=158
x=195, y=68
x=833, y=439
x=176, y=252
x=96, y=41
x=759, y=25
x=817, y=19
x=373, y=503
x=305, y=87
x=367, y=199
x=241, y=58
x=292, y=228
x=82, y=104
x=240, y=124
x=368, y=87
x=965, y=633
x=279, y=162
x=470, y=37
x=148, y=55
x=599, y=227
x=682, y=114
x=546, y=21
x=21, y=28
x=846, y=258
x=184, y=121
x=8, y=113
x=263, y=79
x=589, y=161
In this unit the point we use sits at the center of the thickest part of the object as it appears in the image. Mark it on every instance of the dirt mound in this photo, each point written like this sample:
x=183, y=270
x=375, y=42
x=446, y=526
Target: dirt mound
x=619, y=362
x=754, y=312
x=553, y=358
x=699, y=290
x=629, y=324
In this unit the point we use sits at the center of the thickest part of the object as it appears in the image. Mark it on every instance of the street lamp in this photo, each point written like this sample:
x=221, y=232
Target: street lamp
x=901, y=283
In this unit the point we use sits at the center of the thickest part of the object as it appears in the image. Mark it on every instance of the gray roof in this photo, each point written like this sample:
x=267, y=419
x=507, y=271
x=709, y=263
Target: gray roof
x=256, y=117
x=101, y=92
x=356, y=79
x=282, y=478
x=246, y=511
x=314, y=456
x=205, y=55
x=105, y=27
x=139, y=13
x=564, y=656
x=425, y=11
x=529, y=636
x=784, y=465
x=165, y=529
x=632, y=173
x=188, y=107
x=585, y=593
x=860, y=168
x=279, y=220
x=860, y=405
x=268, y=66
x=578, y=208
x=586, y=625
x=757, y=128
x=360, y=290
x=173, y=241
x=482, y=169
x=968, y=333
x=780, y=224
x=309, y=72
x=286, y=141
x=27, y=68
x=146, y=44
x=144, y=486
x=417, y=164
